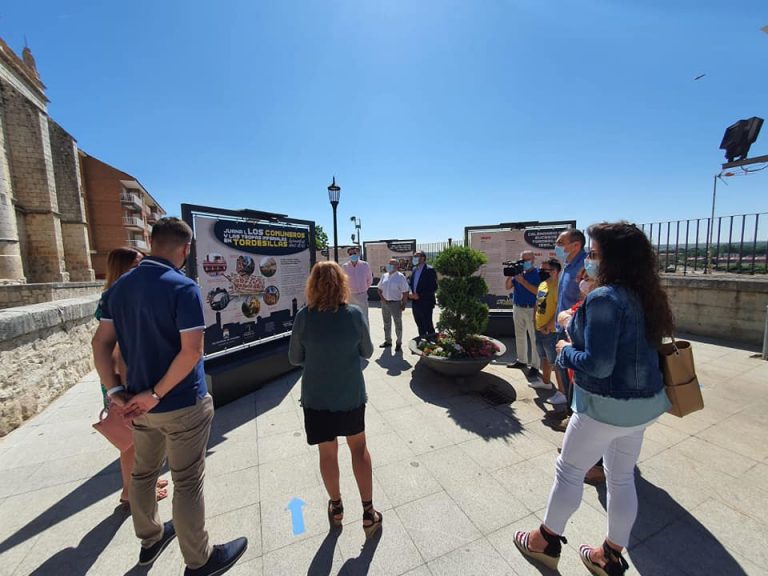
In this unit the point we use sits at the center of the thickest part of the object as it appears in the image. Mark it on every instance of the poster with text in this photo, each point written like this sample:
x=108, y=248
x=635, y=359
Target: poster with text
x=379, y=252
x=326, y=254
x=252, y=277
x=503, y=245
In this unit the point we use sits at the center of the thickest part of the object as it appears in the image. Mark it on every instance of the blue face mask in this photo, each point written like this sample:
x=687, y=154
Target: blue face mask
x=592, y=267
x=560, y=253
x=416, y=260
x=354, y=257
x=527, y=265
x=390, y=268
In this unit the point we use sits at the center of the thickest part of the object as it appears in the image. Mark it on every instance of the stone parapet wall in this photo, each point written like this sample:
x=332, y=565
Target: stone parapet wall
x=12, y=295
x=730, y=308
x=44, y=349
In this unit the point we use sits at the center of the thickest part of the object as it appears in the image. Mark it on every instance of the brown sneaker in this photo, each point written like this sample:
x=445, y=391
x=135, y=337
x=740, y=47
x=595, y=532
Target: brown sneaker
x=595, y=476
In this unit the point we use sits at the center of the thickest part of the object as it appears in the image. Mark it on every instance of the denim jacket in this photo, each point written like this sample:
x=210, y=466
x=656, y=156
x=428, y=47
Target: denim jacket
x=611, y=355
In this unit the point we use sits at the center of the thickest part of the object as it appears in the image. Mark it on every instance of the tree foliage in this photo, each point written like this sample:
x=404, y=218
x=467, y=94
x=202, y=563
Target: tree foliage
x=321, y=238
x=462, y=313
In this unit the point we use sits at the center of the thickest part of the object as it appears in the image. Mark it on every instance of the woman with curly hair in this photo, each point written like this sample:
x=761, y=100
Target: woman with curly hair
x=329, y=337
x=618, y=392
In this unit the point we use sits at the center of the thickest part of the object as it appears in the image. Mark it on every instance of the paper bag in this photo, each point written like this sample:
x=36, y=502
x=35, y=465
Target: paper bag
x=680, y=379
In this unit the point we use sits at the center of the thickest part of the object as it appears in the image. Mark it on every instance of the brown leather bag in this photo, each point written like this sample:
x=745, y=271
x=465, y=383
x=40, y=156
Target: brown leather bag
x=115, y=428
x=680, y=379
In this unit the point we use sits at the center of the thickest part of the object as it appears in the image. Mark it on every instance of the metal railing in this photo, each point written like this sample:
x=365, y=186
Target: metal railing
x=432, y=249
x=737, y=244
x=131, y=199
x=133, y=222
x=140, y=244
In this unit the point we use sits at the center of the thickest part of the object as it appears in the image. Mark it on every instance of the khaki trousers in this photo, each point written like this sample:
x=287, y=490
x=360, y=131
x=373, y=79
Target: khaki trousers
x=525, y=333
x=390, y=310
x=182, y=436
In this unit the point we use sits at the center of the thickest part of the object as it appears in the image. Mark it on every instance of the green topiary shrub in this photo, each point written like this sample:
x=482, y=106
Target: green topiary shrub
x=462, y=313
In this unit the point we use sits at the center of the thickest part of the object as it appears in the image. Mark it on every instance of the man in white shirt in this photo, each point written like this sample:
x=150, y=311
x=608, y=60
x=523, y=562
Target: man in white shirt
x=360, y=279
x=393, y=290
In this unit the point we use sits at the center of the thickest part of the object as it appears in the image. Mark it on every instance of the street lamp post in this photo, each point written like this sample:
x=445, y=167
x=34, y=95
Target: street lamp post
x=357, y=222
x=716, y=177
x=334, y=193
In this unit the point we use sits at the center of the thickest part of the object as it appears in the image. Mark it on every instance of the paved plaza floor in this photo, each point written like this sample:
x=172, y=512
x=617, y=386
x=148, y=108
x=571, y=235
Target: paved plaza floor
x=456, y=472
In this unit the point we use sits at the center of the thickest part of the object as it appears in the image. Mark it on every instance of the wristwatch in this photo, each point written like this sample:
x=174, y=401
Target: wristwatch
x=155, y=394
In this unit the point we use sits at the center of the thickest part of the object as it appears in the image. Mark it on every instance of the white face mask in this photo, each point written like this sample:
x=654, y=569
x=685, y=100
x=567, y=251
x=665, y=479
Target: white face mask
x=416, y=260
x=585, y=287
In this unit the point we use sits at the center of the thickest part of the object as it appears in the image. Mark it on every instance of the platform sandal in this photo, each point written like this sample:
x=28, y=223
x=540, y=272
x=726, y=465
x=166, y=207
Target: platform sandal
x=370, y=515
x=615, y=564
x=550, y=557
x=335, y=512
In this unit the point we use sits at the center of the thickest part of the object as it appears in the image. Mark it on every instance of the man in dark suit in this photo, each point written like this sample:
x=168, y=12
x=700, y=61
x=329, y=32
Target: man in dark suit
x=423, y=283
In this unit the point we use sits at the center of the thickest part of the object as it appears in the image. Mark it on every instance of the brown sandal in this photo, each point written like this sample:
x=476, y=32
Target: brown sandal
x=335, y=512
x=370, y=515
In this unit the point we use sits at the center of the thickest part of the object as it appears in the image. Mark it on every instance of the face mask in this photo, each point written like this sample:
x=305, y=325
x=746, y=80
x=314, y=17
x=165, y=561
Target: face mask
x=354, y=257
x=390, y=268
x=585, y=287
x=592, y=267
x=527, y=265
x=544, y=275
x=560, y=253
x=416, y=260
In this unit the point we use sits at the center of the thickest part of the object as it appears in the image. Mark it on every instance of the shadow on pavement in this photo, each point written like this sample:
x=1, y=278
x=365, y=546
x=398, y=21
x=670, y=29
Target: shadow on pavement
x=394, y=362
x=362, y=563
x=79, y=560
x=673, y=541
x=107, y=481
x=468, y=404
x=322, y=563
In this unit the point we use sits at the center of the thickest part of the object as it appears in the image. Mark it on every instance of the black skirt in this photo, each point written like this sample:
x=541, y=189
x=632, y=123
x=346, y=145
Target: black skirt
x=325, y=426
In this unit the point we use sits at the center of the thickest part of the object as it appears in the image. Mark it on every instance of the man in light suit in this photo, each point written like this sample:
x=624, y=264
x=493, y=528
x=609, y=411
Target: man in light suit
x=423, y=283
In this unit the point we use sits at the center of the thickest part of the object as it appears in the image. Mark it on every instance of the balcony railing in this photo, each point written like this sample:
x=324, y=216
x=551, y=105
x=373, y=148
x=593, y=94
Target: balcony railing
x=132, y=199
x=133, y=222
x=735, y=244
x=153, y=217
x=140, y=244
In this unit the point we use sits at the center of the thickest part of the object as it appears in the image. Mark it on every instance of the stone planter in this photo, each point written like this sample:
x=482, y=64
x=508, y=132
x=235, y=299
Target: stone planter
x=457, y=369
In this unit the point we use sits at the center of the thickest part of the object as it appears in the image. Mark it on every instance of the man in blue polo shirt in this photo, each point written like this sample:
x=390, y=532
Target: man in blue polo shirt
x=524, y=288
x=569, y=249
x=155, y=314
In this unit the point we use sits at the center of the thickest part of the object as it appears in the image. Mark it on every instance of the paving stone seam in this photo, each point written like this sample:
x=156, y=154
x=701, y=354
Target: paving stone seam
x=483, y=537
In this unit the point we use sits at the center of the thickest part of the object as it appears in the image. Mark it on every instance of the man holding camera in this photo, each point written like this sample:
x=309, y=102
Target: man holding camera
x=525, y=287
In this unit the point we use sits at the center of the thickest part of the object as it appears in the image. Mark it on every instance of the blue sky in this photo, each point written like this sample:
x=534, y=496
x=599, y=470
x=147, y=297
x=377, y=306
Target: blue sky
x=432, y=114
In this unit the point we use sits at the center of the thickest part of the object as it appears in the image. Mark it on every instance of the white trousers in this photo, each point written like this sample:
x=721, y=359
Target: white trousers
x=525, y=330
x=586, y=441
x=361, y=301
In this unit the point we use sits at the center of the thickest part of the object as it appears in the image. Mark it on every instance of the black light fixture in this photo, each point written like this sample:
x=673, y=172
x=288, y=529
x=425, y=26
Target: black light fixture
x=357, y=222
x=739, y=137
x=334, y=194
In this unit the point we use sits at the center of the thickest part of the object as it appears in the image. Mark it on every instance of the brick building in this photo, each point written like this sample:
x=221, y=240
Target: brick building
x=120, y=210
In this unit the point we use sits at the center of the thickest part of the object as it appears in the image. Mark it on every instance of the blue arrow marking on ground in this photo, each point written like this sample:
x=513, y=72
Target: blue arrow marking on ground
x=297, y=515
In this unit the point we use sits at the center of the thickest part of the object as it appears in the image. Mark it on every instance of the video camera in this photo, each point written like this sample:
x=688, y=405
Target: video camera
x=513, y=268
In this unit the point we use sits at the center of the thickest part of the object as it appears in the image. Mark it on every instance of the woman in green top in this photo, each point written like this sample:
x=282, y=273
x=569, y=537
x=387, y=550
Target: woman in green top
x=120, y=261
x=329, y=338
